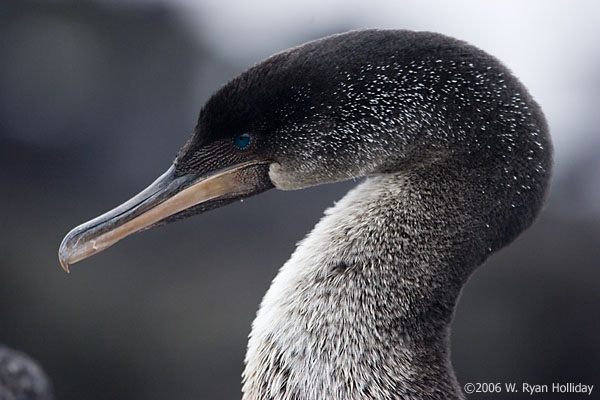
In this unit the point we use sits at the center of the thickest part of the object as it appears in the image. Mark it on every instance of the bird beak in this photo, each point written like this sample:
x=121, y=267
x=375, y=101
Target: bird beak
x=172, y=196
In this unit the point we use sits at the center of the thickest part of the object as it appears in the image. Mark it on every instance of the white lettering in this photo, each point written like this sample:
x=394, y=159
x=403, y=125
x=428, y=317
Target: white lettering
x=571, y=387
x=531, y=389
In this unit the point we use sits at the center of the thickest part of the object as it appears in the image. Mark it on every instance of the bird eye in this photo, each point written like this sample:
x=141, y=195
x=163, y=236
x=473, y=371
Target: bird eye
x=242, y=140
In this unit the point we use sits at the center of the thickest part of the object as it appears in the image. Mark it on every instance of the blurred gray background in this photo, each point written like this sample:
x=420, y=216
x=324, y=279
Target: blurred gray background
x=96, y=97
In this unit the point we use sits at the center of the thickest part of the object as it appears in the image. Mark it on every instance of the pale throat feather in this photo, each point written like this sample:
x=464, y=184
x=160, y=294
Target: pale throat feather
x=320, y=329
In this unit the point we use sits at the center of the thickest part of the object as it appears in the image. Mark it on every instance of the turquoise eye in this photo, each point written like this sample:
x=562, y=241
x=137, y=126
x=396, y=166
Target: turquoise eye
x=241, y=140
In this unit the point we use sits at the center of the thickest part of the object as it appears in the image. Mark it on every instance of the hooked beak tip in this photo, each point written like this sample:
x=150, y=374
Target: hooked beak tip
x=65, y=266
x=63, y=256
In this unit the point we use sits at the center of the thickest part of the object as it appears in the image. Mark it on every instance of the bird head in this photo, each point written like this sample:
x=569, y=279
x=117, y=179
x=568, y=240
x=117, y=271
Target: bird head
x=345, y=106
x=283, y=123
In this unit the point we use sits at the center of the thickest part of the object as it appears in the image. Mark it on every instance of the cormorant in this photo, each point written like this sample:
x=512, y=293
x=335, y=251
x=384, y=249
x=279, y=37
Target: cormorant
x=457, y=158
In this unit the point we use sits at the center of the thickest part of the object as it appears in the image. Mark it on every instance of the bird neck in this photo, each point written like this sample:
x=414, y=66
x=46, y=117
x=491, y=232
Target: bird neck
x=362, y=308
